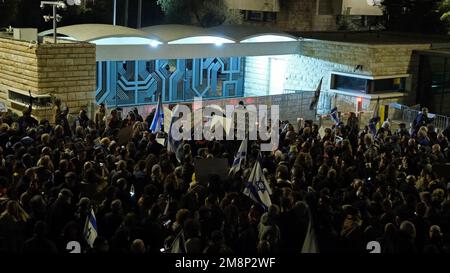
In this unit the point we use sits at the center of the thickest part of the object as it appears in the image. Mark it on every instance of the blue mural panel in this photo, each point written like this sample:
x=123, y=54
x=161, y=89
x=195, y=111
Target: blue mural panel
x=127, y=83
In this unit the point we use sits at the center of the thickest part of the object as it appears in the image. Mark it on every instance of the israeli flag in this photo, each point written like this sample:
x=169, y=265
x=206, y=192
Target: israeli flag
x=90, y=229
x=178, y=245
x=239, y=157
x=373, y=125
x=172, y=144
x=375, y=118
x=257, y=187
x=316, y=97
x=158, y=119
x=334, y=115
x=310, y=244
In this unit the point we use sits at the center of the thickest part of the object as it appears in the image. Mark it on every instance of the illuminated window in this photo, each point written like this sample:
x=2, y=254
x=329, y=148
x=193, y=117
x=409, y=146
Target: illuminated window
x=21, y=98
x=367, y=84
x=260, y=16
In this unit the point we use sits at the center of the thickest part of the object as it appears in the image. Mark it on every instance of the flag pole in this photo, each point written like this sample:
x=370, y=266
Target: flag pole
x=114, y=12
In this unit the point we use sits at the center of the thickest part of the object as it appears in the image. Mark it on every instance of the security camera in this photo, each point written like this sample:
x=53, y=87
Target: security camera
x=47, y=18
x=73, y=2
x=32, y=44
x=58, y=18
x=61, y=5
x=42, y=5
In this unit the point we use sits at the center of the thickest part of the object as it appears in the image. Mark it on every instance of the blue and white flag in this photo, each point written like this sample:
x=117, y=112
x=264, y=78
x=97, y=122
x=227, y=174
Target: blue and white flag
x=179, y=244
x=172, y=144
x=335, y=116
x=375, y=118
x=310, y=244
x=239, y=157
x=158, y=119
x=90, y=229
x=257, y=187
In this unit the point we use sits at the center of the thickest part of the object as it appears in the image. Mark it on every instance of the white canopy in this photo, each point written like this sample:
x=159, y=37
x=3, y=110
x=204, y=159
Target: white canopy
x=117, y=43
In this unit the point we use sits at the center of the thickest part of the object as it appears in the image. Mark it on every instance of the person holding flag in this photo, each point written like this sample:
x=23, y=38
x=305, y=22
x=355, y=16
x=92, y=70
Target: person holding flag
x=316, y=97
x=422, y=119
x=158, y=120
x=375, y=119
x=239, y=157
x=257, y=187
x=172, y=144
x=90, y=229
x=179, y=244
x=335, y=116
x=310, y=244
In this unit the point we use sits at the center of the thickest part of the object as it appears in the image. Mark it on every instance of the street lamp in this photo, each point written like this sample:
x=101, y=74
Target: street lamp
x=56, y=17
x=139, y=14
x=115, y=12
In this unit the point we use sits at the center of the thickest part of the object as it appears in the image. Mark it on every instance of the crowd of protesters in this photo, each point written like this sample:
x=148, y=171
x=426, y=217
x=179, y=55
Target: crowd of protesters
x=358, y=187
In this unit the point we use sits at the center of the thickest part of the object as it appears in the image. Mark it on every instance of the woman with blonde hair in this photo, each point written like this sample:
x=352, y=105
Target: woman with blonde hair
x=12, y=227
x=46, y=162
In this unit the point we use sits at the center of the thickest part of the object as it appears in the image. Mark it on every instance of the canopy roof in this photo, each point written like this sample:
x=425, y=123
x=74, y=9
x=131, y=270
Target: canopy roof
x=243, y=33
x=178, y=41
x=92, y=32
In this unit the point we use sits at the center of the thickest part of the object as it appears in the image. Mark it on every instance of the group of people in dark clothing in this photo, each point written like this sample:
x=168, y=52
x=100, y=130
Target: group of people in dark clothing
x=353, y=186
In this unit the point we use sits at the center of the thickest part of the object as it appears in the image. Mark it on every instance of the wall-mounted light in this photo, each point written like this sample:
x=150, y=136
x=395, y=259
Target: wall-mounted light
x=359, y=102
x=154, y=44
x=358, y=67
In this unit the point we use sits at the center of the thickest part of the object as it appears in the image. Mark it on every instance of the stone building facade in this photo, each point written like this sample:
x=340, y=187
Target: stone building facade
x=320, y=58
x=295, y=15
x=64, y=70
x=302, y=15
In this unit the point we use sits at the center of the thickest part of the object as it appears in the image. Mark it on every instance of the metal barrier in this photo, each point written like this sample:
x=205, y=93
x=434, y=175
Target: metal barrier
x=324, y=103
x=408, y=115
x=441, y=122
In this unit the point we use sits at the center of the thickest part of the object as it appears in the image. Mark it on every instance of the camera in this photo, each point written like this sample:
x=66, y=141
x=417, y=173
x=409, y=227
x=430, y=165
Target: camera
x=167, y=223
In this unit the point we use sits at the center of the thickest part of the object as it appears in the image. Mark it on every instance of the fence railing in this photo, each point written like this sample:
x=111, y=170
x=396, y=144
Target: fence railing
x=408, y=115
x=324, y=103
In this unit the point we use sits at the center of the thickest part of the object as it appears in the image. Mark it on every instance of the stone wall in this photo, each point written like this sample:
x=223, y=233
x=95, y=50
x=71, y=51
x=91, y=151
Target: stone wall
x=319, y=58
x=299, y=15
x=18, y=67
x=324, y=23
x=296, y=15
x=257, y=76
x=65, y=70
x=68, y=71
